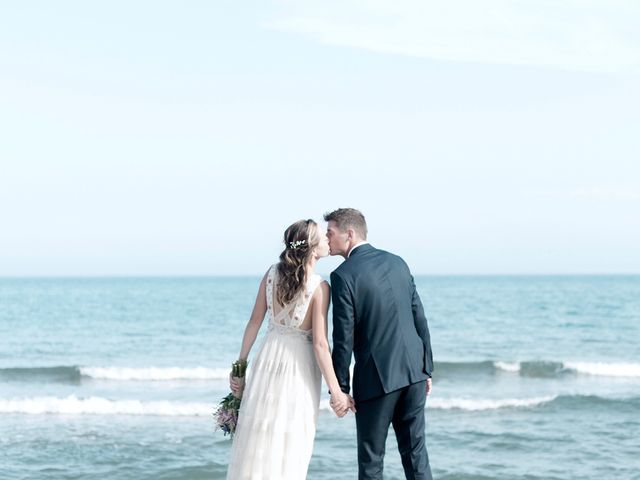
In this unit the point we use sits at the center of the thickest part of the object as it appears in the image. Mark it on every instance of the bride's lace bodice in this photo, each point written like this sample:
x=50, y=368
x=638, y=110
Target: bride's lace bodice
x=291, y=315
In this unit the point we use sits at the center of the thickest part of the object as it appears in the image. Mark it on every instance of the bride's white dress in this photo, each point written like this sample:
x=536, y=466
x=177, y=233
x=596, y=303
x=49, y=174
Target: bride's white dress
x=279, y=409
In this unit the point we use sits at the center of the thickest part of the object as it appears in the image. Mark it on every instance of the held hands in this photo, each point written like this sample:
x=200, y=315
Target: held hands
x=341, y=403
x=429, y=386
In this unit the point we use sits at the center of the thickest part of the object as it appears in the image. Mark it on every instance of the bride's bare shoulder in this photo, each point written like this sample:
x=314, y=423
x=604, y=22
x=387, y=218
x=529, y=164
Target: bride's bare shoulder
x=322, y=291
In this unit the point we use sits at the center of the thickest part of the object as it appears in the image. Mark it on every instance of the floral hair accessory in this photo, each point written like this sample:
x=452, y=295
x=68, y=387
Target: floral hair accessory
x=297, y=243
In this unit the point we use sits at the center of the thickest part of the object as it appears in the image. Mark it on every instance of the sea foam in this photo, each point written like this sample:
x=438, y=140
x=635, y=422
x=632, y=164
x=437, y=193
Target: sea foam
x=487, y=404
x=475, y=405
x=155, y=373
x=73, y=405
x=507, y=366
x=605, y=369
x=547, y=368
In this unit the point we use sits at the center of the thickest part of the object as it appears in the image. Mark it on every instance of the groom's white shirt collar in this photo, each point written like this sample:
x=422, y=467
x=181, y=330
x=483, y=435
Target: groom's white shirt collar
x=356, y=246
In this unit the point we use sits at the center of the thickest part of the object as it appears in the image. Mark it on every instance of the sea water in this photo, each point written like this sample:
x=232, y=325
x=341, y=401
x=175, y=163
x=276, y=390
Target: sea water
x=117, y=378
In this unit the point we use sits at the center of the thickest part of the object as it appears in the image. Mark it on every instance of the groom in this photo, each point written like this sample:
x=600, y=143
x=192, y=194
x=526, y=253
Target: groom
x=378, y=315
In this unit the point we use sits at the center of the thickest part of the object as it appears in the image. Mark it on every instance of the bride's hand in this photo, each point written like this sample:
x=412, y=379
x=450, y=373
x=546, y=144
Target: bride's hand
x=237, y=385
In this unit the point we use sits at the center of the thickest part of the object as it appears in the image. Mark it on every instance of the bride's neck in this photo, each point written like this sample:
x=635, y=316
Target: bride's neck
x=311, y=265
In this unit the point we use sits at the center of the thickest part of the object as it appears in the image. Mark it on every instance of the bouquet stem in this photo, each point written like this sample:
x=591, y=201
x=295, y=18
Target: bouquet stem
x=239, y=368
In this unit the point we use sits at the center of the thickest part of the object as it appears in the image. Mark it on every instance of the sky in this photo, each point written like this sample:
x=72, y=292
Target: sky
x=165, y=138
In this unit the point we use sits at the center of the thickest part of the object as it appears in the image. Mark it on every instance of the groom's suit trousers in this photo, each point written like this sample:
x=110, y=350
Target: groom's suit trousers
x=404, y=409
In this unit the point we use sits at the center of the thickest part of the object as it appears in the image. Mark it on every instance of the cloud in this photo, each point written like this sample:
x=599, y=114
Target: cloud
x=588, y=193
x=604, y=194
x=586, y=35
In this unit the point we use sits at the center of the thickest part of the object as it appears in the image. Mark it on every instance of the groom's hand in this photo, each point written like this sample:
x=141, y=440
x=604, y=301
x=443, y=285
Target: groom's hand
x=352, y=404
x=429, y=386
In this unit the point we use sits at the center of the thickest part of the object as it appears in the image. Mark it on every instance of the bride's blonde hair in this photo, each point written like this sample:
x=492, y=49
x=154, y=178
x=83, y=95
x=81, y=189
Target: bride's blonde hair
x=299, y=241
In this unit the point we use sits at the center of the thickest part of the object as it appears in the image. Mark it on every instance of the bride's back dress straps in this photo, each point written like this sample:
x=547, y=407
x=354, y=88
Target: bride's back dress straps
x=291, y=315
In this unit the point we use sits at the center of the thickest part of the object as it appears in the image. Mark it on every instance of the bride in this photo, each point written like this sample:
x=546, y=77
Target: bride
x=279, y=410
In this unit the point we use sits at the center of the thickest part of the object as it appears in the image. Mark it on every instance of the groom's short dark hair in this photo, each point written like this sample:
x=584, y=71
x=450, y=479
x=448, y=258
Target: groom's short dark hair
x=348, y=218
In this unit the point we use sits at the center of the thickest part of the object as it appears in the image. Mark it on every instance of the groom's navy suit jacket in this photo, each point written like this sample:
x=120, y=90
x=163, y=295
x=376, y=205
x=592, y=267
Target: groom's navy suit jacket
x=378, y=316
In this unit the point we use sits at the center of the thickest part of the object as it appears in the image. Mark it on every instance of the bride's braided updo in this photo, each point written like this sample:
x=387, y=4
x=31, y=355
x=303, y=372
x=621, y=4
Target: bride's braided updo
x=299, y=239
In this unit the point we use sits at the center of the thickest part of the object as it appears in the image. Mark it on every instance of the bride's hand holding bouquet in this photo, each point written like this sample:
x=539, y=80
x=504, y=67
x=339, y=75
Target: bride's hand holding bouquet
x=227, y=412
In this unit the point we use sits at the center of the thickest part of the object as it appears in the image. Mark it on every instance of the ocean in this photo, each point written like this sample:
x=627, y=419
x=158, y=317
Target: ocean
x=536, y=377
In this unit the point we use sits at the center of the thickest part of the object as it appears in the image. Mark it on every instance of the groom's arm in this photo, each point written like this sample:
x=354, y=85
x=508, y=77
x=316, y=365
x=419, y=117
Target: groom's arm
x=343, y=323
x=420, y=321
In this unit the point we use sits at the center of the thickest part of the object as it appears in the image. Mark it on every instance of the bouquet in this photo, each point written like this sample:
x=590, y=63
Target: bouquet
x=227, y=413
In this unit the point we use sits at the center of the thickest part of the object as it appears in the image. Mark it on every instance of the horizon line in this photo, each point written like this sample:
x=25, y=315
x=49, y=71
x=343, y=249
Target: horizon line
x=257, y=275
